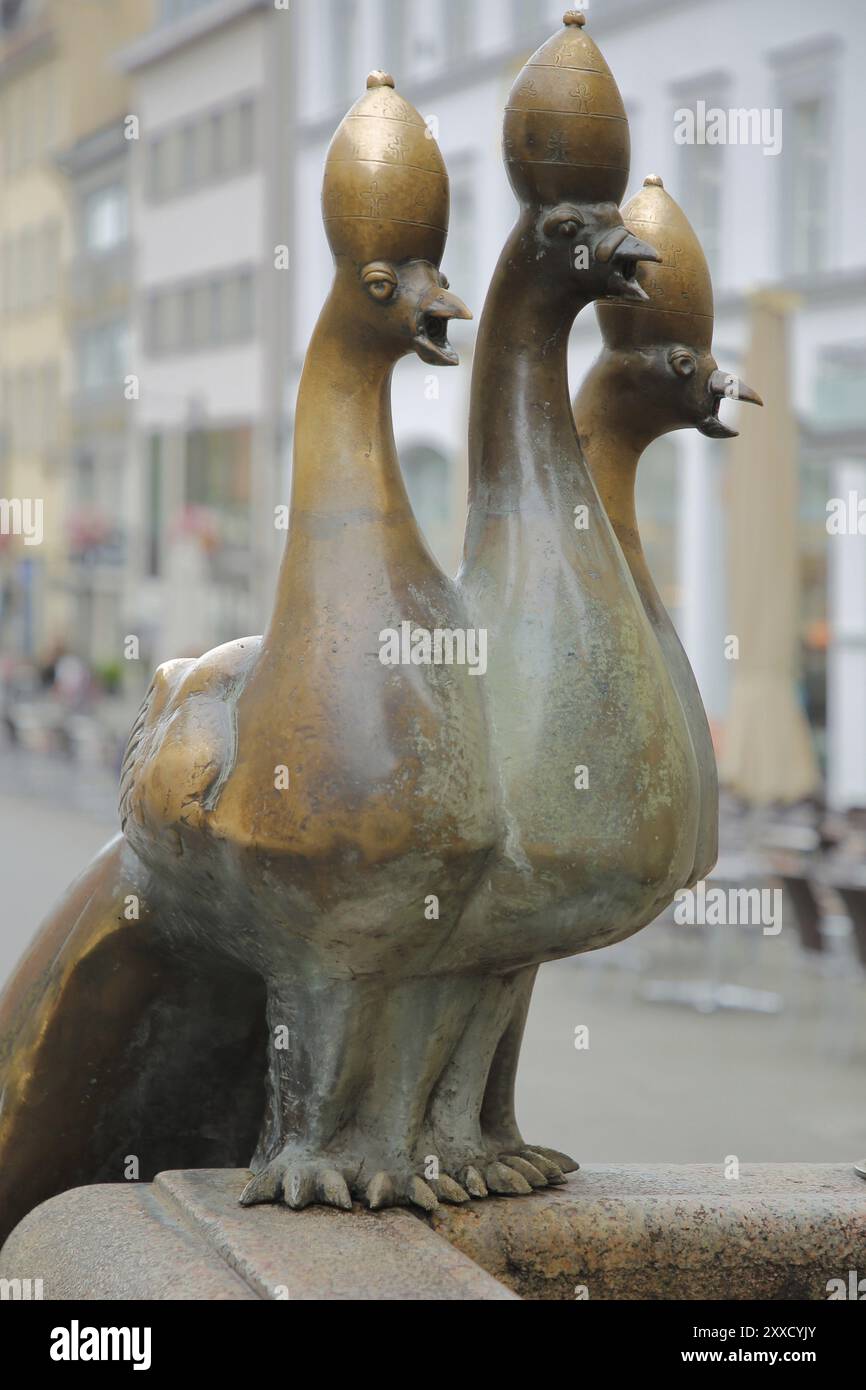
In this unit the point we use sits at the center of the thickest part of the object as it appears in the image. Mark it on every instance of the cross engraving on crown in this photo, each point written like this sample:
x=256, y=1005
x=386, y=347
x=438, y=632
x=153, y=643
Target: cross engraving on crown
x=557, y=147
x=376, y=199
x=397, y=148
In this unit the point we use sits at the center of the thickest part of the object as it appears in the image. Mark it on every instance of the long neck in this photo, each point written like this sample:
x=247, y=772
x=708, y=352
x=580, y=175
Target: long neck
x=345, y=468
x=344, y=452
x=613, y=439
x=523, y=448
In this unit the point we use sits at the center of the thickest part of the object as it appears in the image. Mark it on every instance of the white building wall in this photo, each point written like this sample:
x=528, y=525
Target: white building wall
x=212, y=228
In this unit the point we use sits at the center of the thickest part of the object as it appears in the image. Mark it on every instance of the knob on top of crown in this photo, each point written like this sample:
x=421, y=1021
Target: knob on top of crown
x=385, y=192
x=566, y=132
x=680, y=304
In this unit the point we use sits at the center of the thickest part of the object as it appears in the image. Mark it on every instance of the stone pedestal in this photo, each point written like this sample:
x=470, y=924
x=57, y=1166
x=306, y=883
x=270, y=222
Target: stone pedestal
x=777, y=1232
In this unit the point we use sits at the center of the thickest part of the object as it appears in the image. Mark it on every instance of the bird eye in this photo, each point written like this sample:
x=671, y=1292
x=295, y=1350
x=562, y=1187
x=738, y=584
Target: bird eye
x=683, y=363
x=379, y=280
x=381, y=289
x=564, y=224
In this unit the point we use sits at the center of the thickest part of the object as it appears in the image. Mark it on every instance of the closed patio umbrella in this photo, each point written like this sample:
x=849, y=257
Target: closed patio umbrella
x=767, y=753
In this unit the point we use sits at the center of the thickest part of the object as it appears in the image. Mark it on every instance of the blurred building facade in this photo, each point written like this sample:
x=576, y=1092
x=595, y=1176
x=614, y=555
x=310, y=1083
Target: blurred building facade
x=211, y=192
x=50, y=103
x=207, y=288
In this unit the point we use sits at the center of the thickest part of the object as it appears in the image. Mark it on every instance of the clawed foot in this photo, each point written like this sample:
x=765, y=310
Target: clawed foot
x=559, y=1160
x=526, y=1168
x=299, y=1183
x=302, y=1183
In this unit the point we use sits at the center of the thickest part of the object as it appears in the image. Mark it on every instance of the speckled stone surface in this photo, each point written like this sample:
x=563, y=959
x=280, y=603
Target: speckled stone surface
x=116, y=1241
x=185, y=1237
x=779, y=1231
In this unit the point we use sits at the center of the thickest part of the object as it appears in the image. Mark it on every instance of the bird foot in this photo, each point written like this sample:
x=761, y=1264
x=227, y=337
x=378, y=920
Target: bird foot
x=562, y=1161
x=515, y=1172
x=303, y=1182
x=535, y=1167
x=298, y=1183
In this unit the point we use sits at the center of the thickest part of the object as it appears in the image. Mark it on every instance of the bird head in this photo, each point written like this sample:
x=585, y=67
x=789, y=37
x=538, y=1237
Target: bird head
x=385, y=204
x=566, y=148
x=658, y=350
x=407, y=305
x=585, y=251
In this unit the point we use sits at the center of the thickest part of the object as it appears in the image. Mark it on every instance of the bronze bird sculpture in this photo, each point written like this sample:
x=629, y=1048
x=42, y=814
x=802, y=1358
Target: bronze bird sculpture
x=656, y=374
x=251, y=964
x=344, y=851
x=599, y=778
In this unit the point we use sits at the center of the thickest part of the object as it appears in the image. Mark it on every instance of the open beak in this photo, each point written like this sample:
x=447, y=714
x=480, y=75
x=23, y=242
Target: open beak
x=720, y=385
x=431, y=339
x=623, y=251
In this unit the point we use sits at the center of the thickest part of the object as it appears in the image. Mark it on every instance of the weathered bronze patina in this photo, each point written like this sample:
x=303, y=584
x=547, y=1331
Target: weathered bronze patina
x=252, y=964
x=316, y=938
x=657, y=374
x=599, y=779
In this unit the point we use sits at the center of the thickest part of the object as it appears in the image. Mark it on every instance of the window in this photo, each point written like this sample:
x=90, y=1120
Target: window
x=189, y=156
x=156, y=169
x=103, y=356
x=247, y=134
x=809, y=154
x=187, y=319
x=172, y=10
x=245, y=309
x=840, y=387
x=702, y=169
x=216, y=145
x=218, y=470
x=807, y=78
x=215, y=316
x=202, y=315
x=212, y=145
x=106, y=218
x=460, y=252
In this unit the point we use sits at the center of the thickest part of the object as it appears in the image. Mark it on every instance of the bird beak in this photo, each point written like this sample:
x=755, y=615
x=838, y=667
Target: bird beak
x=623, y=251
x=721, y=385
x=447, y=306
x=431, y=339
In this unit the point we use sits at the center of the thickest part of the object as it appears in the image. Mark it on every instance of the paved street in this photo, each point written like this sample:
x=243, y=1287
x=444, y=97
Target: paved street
x=657, y=1082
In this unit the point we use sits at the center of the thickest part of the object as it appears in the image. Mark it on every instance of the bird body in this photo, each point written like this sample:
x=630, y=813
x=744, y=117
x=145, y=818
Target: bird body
x=341, y=860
